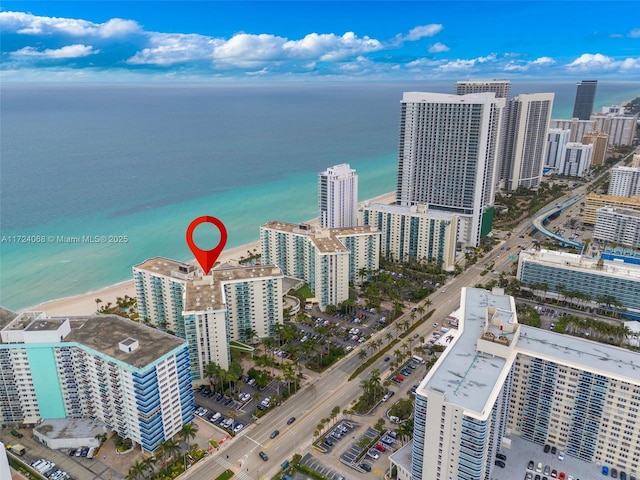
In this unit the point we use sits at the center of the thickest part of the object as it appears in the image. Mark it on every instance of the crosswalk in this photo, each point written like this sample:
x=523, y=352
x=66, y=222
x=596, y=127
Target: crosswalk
x=224, y=463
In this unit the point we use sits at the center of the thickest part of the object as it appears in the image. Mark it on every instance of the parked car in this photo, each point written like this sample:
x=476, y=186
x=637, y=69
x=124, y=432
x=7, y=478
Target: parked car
x=500, y=463
x=501, y=456
x=381, y=447
x=365, y=466
x=547, y=448
x=373, y=454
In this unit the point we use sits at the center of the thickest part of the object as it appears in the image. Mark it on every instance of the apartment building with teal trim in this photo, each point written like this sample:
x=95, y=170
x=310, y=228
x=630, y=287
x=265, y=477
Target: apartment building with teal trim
x=328, y=259
x=134, y=378
x=498, y=380
x=413, y=233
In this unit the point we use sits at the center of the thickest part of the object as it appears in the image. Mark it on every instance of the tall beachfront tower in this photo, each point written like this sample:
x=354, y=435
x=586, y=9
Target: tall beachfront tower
x=338, y=196
x=502, y=88
x=522, y=153
x=447, y=156
x=585, y=98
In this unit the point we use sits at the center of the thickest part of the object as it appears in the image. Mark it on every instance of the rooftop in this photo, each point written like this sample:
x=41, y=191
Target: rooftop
x=103, y=333
x=6, y=317
x=168, y=268
x=61, y=428
x=205, y=293
x=413, y=210
x=579, y=352
x=466, y=376
x=326, y=240
x=576, y=261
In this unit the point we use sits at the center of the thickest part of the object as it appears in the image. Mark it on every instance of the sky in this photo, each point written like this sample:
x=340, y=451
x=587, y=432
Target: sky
x=208, y=41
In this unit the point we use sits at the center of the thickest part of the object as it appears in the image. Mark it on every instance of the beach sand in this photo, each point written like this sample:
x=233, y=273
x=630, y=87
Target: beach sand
x=85, y=304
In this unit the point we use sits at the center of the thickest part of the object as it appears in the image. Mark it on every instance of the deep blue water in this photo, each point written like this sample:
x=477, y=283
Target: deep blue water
x=144, y=160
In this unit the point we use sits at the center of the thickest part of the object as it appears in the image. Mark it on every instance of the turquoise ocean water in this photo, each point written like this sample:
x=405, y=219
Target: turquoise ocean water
x=143, y=161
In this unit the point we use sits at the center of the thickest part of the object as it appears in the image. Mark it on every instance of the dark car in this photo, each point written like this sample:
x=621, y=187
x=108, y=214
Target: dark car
x=501, y=456
x=366, y=467
x=500, y=463
x=554, y=450
x=263, y=456
x=547, y=448
x=386, y=359
x=531, y=465
x=614, y=473
x=291, y=420
x=274, y=434
x=623, y=476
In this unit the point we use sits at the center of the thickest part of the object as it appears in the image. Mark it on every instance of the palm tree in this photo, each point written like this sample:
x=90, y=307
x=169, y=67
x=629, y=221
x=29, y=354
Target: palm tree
x=170, y=448
x=136, y=471
x=362, y=354
x=188, y=432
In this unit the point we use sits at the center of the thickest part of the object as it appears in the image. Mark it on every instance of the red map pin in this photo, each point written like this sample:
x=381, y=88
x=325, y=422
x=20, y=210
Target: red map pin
x=206, y=258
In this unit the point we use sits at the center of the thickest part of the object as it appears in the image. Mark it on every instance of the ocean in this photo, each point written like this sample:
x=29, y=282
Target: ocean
x=137, y=163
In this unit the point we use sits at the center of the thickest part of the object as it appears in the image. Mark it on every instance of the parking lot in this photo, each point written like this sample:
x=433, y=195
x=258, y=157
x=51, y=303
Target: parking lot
x=522, y=452
x=229, y=413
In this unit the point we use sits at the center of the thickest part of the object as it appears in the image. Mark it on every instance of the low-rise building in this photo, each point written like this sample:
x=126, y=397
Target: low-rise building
x=593, y=202
x=413, y=233
x=595, y=277
x=618, y=225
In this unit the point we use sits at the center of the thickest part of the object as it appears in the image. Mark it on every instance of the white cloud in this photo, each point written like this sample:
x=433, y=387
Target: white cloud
x=330, y=47
x=438, y=47
x=423, y=31
x=522, y=66
x=171, y=49
x=70, y=51
x=28, y=24
x=635, y=33
x=588, y=61
x=596, y=62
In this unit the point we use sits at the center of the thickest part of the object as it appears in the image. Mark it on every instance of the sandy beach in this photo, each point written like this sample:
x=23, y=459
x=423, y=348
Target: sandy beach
x=85, y=304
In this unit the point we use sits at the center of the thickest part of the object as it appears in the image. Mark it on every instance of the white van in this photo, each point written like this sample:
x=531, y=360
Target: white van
x=418, y=359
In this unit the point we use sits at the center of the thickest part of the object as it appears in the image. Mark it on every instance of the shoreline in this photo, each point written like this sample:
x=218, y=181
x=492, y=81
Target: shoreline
x=85, y=303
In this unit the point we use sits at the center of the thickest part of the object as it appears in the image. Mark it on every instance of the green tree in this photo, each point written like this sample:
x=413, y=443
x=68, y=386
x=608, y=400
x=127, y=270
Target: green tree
x=188, y=432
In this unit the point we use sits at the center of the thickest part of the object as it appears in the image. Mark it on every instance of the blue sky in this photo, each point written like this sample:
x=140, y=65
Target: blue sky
x=306, y=40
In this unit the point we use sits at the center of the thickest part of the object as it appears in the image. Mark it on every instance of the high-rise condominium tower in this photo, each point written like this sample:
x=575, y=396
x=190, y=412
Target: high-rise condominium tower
x=447, y=156
x=524, y=138
x=585, y=97
x=338, y=197
x=502, y=88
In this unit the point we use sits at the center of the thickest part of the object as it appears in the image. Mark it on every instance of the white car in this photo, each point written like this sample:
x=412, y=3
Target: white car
x=561, y=456
x=238, y=428
x=373, y=454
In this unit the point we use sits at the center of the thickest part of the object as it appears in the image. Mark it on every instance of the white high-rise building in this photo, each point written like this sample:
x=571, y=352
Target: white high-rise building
x=447, y=156
x=502, y=88
x=576, y=159
x=499, y=383
x=624, y=182
x=525, y=127
x=209, y=311
x=557, y=140
x=338, y=197
x=328, y=259
x=620, y=128
x=578, y=128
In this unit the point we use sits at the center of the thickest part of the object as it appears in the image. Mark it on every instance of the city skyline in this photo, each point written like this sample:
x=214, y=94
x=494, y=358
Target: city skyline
x=214, y=41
